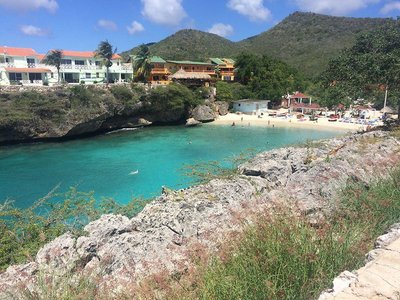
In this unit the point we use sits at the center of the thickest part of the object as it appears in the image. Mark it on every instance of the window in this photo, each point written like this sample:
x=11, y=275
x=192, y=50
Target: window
x=35, y=76
x=15, y=76
x=88, y=75
x=97, y=75
x=7, y=60
x=97, y=63
x=30, y=61
x=52, y=75
x=66, y=62
x=79, y=62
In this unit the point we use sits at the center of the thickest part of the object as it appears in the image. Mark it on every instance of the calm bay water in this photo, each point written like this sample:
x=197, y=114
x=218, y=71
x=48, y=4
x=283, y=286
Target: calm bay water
x=108, y=164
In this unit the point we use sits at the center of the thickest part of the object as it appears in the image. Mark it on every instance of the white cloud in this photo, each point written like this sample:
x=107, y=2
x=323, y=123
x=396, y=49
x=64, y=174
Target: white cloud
x=26, y=5
x=334, y=7
x=389, y=7
x=223, y=30
x=165, y=12
x=254, y=9
x=107, y=24
x=33, y=30
x=135, y=27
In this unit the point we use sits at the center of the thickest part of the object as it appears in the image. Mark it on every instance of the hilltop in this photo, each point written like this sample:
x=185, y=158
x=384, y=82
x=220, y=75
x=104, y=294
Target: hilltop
x=306, y=41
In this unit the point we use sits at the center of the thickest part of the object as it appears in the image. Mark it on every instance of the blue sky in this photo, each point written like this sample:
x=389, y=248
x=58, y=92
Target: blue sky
x=81, y=25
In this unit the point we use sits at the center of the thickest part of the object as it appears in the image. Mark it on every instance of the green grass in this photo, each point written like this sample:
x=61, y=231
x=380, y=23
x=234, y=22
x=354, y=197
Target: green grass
x=282, y=257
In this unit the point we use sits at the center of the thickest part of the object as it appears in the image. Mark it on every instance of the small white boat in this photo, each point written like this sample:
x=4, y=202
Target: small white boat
x=134, y=172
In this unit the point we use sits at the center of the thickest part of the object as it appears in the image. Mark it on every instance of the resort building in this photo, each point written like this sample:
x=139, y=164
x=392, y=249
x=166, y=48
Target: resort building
x=224, y=68
x=251, y=106
x=159, y=71
x=22, y=66
x=84, y=67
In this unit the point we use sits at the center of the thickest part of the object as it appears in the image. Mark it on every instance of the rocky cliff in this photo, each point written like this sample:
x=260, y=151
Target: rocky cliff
x=30, y=113
x=177, y=225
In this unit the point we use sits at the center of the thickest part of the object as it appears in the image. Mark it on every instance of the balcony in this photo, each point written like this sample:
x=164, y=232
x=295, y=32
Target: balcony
x=7, y=65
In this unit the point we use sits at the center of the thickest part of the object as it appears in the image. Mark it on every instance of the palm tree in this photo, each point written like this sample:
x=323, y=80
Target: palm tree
x=142, y=64
x=54, y=58
x=105, y=52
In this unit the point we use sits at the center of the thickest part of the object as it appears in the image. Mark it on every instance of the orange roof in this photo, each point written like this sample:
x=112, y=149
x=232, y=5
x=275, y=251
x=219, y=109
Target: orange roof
x=28, y=70
x=12, y=51
x=86, y=54
x=40, y=56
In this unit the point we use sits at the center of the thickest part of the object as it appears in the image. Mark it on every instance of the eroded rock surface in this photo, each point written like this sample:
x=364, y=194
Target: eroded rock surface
x=175, y=225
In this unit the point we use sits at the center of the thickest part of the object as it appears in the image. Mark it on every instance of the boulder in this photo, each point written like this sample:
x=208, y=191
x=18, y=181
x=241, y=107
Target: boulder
x=203, y=113
x=222, y=107
x=192, y=122
x=144, y=122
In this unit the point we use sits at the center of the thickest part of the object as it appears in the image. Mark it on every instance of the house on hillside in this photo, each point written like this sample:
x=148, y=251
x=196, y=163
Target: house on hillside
x=224, y=68
x=84, y=67
x=251, y=106
x=191, y=67
x=159, y=71
x=22, y=66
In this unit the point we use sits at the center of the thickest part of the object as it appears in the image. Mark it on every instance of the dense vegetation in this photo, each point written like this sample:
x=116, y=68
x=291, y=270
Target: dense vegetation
x=189, y=44
x=366, y=69
x=260, y=77
x=306, y=41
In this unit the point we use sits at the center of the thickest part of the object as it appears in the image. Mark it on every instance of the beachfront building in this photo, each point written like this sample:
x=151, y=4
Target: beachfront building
x=159, y=72
x=297, y=97
x=224, y=68
x=84, y=67
x=251, y=106
x=192, y=73
x=22, y=66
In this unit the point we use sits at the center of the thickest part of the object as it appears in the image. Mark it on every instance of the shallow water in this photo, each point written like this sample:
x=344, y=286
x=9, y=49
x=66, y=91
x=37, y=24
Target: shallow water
x=130, y=164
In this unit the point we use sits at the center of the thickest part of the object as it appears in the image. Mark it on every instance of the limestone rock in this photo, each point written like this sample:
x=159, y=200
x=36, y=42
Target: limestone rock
x=203, y=113
x=192, y=122
x=222, y=107
x=143, y=122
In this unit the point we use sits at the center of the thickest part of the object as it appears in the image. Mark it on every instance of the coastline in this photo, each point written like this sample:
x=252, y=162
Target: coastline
x=268, y=121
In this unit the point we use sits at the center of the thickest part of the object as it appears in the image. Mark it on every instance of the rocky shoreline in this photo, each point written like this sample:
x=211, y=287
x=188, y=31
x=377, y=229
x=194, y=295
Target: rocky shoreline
x=54, y=113
x=178, y=224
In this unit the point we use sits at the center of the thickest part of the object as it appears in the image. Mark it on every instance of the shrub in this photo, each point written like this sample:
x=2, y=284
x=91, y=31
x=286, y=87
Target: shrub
x=122, y=93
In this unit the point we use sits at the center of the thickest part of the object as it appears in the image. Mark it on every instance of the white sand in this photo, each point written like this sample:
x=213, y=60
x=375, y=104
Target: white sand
x=268, y=121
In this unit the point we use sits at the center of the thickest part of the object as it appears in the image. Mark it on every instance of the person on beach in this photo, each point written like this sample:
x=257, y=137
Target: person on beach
x=233, y=124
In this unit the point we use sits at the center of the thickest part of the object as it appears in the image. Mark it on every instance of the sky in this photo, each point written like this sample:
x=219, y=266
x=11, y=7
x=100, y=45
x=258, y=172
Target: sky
x=82, y=24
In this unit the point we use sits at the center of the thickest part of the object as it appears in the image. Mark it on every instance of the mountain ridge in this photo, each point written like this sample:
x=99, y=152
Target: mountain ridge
x=304, y=40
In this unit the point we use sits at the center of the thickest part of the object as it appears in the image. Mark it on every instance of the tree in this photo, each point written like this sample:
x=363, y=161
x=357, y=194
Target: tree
x=54, y=58
x=142, y=64
x=105, y=52
x=266, y=77
x=370, y=66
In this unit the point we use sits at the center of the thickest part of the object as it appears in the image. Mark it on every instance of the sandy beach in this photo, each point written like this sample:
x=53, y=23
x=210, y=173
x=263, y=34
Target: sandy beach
x=269, y=121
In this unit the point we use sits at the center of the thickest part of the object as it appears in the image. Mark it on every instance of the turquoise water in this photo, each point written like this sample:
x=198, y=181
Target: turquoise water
x=105, y=164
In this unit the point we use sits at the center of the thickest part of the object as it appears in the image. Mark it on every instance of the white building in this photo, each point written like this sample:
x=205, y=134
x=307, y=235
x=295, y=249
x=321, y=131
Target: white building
x=22, y=66
x=84, y=67
x=251, y=106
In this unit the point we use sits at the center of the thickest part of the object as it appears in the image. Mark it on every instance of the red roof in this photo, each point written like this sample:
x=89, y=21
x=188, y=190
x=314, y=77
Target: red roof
x=85, y=54
x=298, y=95
x=12, y=51
x=28, y=70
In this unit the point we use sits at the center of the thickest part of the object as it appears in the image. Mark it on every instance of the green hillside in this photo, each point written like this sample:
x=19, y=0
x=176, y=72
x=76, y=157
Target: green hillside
x=189, y=44
x=306, y=41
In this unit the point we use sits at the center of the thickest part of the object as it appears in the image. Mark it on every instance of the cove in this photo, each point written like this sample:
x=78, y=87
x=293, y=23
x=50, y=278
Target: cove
x=131, y=164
